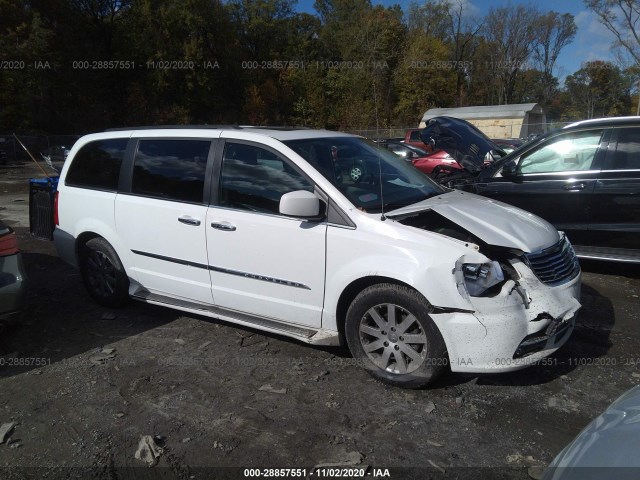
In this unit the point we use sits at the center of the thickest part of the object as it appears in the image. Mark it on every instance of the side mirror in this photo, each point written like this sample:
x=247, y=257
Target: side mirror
x=301, y=204
x=509, y=169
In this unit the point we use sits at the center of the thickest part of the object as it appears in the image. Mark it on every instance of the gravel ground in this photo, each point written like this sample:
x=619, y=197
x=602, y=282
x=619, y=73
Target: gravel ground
x=84, y=384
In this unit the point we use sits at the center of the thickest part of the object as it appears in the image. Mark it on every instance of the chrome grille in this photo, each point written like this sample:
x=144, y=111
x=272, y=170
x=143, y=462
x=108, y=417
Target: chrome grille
x=556, y=264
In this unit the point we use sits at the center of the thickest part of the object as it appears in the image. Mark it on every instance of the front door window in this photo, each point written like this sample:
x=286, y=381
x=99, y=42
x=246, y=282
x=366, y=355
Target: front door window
x=564, y=153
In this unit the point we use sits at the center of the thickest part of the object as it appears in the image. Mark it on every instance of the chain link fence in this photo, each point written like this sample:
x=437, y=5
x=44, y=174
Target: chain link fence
x=499, y=129
x=54, y=146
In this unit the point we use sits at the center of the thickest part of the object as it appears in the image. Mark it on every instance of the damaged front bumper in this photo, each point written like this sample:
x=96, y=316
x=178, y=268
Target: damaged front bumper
x=515, y=328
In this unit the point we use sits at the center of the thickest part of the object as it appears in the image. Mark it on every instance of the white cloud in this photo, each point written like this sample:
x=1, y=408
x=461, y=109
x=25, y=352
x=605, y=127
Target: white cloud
x=593, y=40
x=469, y=10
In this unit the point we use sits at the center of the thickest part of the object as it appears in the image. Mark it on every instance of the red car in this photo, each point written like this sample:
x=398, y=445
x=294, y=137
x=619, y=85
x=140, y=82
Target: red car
x=421, y=159
x=438, y=161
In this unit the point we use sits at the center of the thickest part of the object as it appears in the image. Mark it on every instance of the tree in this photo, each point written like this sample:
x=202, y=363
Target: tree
x=423, y=79
x=189, y=57
x=463, y=39
x=104, y=16
x=362, y=46
x=25, y=40
x=512, y=37
x=598, y=89
x=555, y=31
x=620, y=17
x=431, y=18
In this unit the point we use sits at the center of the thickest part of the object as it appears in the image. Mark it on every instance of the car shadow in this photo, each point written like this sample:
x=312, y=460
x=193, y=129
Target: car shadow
x=630, y=270
x=61, y=321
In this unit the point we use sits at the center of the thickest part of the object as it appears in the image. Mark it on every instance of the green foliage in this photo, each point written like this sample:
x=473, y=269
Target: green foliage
x=598, y=89
x=352, y=65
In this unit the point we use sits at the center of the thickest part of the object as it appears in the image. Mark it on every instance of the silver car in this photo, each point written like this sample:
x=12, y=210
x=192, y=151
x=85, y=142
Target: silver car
x=606, y=448
x=13, y=278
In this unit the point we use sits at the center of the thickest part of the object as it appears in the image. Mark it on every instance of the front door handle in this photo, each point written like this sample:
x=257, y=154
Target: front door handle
x=187, y=220
x=226, y=226
x=575, y=186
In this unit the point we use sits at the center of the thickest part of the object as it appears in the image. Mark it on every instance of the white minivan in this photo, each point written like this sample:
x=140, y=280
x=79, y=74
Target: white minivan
x=269, y=228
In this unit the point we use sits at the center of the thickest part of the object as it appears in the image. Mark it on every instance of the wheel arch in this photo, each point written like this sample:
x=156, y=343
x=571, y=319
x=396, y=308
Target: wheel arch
x=353, y=289
x=83, y=238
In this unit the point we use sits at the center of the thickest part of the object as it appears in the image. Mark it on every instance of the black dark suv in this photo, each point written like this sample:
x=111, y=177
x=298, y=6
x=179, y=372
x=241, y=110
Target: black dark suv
x=584, y=179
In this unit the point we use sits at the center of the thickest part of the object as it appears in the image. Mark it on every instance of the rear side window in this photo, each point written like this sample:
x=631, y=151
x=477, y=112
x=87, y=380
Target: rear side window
x=415, y=136
x=627, y=154
x=171, y=169
x=97, y=165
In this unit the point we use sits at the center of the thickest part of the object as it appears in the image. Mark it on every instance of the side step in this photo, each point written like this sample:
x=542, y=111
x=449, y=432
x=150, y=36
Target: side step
x=306, y=335
x=610, y=254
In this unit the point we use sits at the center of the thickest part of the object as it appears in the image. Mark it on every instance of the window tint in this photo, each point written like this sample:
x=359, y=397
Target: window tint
x=415, y=136
x=171, y=169
x=97, y=165
x=627, y=154
x=570, y=152
x=254, y=179
x=362, y=170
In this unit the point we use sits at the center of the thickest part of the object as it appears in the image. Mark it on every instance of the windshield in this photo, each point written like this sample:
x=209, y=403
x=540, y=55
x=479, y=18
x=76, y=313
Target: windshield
x=366, y=173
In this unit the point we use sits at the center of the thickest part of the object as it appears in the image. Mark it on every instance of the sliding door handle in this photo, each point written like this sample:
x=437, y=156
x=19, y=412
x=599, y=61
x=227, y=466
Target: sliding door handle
x=225, y=226
x=187, y=220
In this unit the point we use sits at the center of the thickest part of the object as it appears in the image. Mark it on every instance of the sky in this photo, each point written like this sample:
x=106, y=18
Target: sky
x=592, y=41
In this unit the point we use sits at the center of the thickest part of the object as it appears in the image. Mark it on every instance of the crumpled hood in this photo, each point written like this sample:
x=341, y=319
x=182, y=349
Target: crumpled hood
x=494, y=222
x=460, y=139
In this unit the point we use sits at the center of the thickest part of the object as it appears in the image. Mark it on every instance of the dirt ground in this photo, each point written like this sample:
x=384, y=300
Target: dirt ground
x=218, y=398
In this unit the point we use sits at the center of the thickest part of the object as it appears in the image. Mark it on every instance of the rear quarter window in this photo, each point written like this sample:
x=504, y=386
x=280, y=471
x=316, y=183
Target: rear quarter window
x=171, y=169
x=97, y=165
x=627, y=153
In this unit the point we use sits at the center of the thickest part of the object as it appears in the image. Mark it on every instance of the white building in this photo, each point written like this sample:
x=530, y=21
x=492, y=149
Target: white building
x=497, y=121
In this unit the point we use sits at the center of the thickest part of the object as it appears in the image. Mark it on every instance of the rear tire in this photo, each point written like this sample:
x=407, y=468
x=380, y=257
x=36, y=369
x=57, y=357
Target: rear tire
x=390, y=333
x=103, y=274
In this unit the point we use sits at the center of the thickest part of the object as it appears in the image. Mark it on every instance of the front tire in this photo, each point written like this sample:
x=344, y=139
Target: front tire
x=103, y=274
x=390, y=332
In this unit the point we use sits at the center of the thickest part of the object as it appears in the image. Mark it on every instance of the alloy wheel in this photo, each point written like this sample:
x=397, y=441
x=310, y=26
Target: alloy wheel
x=101, y=274
x=393, y=339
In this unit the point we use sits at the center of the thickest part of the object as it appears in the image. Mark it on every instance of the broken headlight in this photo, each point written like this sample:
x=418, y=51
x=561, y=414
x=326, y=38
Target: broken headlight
x=478, y=277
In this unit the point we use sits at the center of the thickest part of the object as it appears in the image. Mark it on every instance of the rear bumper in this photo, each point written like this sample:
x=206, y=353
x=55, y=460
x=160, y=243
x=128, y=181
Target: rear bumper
x=65, y=246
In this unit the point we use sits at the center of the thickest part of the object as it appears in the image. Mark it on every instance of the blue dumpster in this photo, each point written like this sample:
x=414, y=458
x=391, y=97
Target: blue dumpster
x=41, y=195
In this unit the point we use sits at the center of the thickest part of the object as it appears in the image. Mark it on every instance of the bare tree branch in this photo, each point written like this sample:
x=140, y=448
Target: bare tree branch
x=621, y=18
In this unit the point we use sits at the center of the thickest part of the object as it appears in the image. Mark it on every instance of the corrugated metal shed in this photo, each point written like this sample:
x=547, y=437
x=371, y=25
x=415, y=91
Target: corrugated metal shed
x=497, y=121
